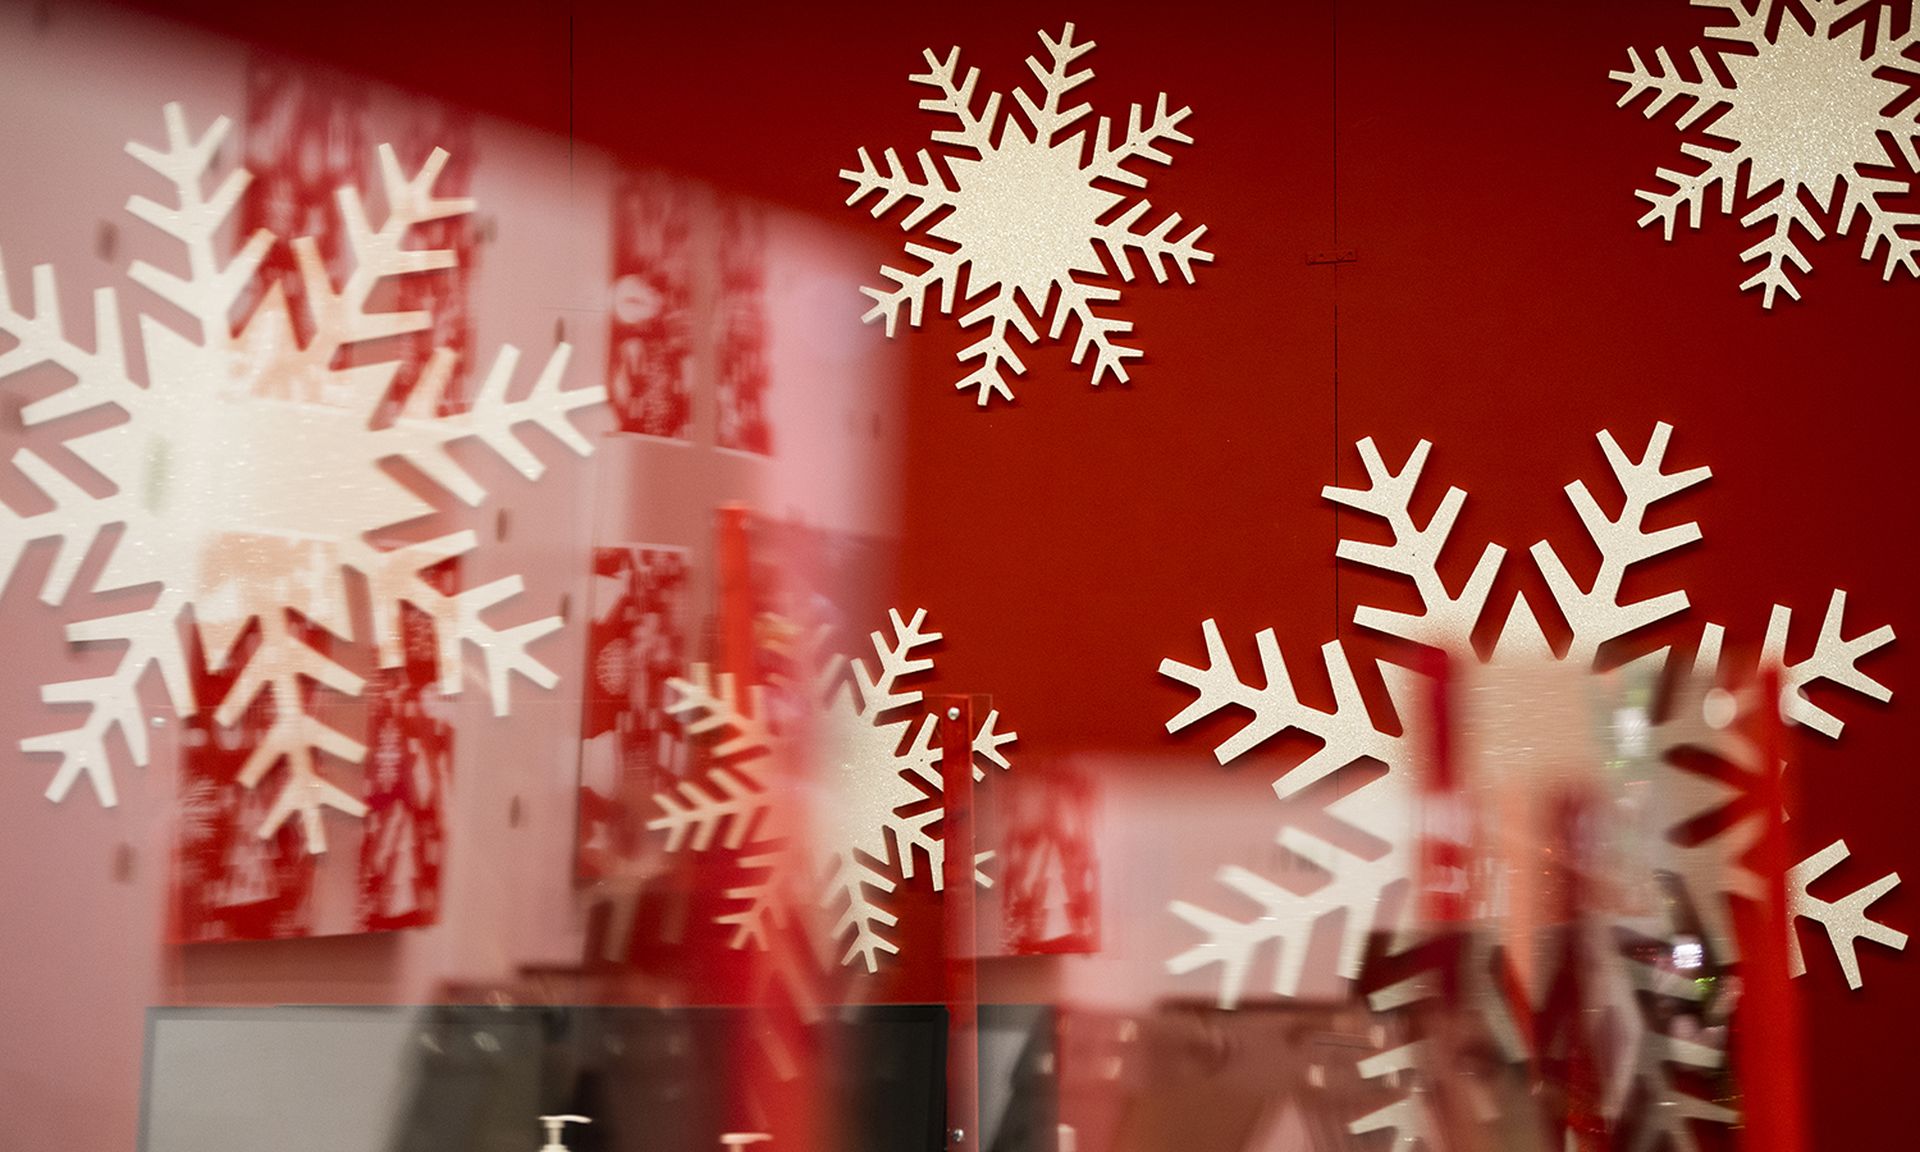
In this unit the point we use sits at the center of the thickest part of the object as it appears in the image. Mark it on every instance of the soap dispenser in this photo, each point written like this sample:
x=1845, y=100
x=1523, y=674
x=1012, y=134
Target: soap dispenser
x=555, y=1126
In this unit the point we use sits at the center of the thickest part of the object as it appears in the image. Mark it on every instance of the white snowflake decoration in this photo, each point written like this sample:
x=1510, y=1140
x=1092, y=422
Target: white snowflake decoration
x=1805, y=109
x=858, y=841
x=1023, y=215
x=246, y=477
x=1361, y=889
x=1382, y=808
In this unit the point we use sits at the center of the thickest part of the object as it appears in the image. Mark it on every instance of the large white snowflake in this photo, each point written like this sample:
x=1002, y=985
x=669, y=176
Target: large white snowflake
x=1365, y=890
x=1818, y=103
x=871, y=810
x=1023, y=214
x=248, y=474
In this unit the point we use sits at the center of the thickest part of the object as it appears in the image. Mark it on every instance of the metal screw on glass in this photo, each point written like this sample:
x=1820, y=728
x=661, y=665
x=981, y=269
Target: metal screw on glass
x=953, y=714
x=957, y=1135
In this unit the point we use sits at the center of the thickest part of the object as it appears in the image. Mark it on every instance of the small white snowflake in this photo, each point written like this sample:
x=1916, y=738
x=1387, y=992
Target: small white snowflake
x=1804, y=109
x=1023, y=214
x=247, y=475
x=858, y=841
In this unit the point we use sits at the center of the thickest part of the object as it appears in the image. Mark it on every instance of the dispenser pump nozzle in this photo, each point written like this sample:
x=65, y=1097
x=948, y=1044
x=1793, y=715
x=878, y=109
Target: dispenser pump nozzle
x=555, y=1126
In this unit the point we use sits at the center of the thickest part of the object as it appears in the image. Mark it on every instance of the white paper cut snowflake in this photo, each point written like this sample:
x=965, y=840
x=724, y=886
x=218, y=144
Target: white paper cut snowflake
x=246, y=476
x=877, y=761
x=1364, y=886
x=1023, y=214
x=1806, y=109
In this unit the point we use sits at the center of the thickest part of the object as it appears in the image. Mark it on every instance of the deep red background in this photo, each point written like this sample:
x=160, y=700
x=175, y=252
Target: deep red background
x=1502, y=304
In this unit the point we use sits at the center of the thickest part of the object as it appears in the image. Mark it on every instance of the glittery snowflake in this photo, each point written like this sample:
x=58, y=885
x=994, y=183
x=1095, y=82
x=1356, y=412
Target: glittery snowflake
x=1368, y=889
x=871, y=813
x=1822, y=101
x=1024, y=214
x=244, y=477
x=1595, y=615
x=1365, y=889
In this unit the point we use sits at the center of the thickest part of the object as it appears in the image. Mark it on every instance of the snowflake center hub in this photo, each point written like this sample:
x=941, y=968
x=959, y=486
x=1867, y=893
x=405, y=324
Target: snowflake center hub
x=1805, y=109
x=855, y=803
x=1027, y=214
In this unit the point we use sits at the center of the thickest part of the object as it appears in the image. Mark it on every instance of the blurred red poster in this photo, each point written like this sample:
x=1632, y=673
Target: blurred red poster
x=743, y=374
x=304, y=138
x=1052, y=902
x=409, y=766
x=650, y=341
x=630, y=748
x=229, y=882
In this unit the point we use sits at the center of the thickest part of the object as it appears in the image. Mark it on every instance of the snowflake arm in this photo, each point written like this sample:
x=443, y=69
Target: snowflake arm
x=1595, y=614
x=1664, y=80
x=923, y=759
x=1700, y=98
x=1845, y=920
x=1688, y=190
x=1748, y=27
x=494, y=419
x=1881, y=46
x=1056, y=80
x=209, y=291
x=877, y=693
x=1358, y=884
x=99, y=377
x=1141, y=142
x=1713, y=871
x=1095, y=332
x=394, y=578
x=735, y=796
x=895, y=185
x=910, y=288
x=866, y=920
x=340, y=317
x=1834, y=660
x=765, y=910
x=709, y=703
x=1285, y=917
x=1407, y=1118
x=1445, y=620
x=1670, y=1112
x=1883, y=224
x=75, y=521
x=910, y=833
x=280, y=663
x=987, y=744
x=1157, y=247
x=995, y=350
x=1779, y=249
x=1348, y=731
x=503, y=651
x=956, y=100
x=114, y=700
x=731, y=797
